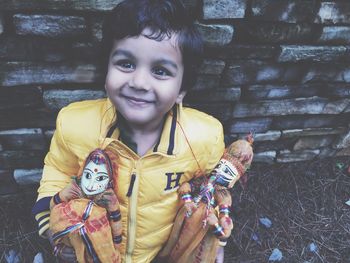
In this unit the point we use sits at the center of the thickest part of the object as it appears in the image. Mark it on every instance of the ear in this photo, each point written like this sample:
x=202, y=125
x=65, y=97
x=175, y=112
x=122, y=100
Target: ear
x=180, y=97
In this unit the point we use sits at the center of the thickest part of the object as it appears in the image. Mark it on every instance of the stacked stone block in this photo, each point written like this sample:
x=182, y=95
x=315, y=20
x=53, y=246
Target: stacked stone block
x=278, y=68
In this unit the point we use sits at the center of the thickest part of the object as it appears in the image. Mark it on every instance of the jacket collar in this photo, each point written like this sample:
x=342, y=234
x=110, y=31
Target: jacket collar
x=168, y=140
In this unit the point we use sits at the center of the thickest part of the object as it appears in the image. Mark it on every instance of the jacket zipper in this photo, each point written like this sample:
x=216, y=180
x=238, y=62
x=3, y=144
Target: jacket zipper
x=132, y=194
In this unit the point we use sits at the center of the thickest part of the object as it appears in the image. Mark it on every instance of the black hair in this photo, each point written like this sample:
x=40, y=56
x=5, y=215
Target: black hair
x=163, y=18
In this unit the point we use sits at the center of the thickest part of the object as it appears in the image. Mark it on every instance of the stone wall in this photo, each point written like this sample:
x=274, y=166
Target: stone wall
x=278, y=68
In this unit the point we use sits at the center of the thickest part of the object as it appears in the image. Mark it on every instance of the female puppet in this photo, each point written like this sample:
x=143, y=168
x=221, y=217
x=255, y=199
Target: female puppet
x=86, y=213
x=198, y=229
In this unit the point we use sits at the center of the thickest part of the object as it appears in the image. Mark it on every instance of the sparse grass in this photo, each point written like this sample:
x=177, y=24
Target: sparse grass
x=305, y=202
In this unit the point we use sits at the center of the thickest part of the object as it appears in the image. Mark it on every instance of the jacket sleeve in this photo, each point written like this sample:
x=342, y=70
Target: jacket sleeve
x=60, y=165
x=217, y=149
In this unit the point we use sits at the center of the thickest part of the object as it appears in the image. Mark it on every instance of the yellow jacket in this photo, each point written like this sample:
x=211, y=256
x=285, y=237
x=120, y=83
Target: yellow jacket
x=147, y=185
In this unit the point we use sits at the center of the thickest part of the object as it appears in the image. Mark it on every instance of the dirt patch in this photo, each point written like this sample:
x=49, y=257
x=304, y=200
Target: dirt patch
x=304, y=202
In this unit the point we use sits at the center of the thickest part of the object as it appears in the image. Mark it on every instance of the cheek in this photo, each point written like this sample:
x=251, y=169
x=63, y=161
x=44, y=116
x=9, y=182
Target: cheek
x=113, y=79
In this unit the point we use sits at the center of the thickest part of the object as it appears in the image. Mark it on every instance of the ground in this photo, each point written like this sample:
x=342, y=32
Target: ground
x=304, y=202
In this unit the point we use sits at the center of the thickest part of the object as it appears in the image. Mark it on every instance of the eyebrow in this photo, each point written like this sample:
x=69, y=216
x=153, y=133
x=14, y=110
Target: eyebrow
x=161, y=61
x=94, y=171
x=123, y=52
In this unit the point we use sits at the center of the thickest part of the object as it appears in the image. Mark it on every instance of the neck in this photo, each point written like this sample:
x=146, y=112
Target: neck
x=146, y=138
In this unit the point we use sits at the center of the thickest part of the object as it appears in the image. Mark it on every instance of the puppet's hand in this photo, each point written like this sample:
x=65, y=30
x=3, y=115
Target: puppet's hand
x=190, y=208
x=227, y=225
x=108, y=200
x=71, y=191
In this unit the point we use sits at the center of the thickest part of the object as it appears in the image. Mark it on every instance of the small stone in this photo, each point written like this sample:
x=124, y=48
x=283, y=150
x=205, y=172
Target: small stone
x=276, y=255
x=27, y=177
x=220, y=9
x=215, y=35
x=333, y=13
x=39, y=258
x=266, y=222
x=313, y=247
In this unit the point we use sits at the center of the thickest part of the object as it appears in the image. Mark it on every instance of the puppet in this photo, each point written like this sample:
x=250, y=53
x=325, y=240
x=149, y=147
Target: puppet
x=198, y=229
x=86, y=213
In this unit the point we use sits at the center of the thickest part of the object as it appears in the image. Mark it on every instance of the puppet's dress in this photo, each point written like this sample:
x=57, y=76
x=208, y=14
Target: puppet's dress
x=84, y=225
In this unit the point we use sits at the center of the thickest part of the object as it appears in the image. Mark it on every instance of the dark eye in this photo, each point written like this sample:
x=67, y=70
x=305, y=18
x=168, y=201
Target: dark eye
x=88, y=176
x=161, y=72
x=101, y=178
x=125, y=65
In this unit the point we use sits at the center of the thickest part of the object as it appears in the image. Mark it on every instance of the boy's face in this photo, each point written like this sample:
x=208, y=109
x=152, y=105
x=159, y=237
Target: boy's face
x=144, y=79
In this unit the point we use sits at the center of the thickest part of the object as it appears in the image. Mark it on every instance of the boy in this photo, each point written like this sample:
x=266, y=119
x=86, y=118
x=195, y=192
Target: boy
x=153, y=53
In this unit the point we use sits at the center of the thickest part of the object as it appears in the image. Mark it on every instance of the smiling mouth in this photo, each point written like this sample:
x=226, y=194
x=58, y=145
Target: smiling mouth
x=137, y=100
x=90, y=190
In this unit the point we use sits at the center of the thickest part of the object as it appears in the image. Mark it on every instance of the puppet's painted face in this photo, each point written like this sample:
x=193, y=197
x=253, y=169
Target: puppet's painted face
x=94, y=179
x=227, y=174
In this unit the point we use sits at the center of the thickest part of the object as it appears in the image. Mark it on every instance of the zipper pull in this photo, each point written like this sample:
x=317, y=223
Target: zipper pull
x=131, y=186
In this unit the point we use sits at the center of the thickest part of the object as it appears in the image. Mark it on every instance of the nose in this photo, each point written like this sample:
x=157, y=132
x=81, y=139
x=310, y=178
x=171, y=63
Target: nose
x=140, y=79
x=90, y=185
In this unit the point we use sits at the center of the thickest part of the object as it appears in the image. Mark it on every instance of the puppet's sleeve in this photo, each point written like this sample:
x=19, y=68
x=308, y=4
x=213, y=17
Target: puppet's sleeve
x=59, y=165
x=217, y=149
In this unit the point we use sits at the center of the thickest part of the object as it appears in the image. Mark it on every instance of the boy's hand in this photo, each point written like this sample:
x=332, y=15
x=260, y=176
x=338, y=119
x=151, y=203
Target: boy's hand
x=108, y=200
x=71, y=191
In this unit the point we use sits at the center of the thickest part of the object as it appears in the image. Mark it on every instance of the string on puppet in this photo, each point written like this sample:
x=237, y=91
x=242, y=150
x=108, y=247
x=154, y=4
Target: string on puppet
x=199, y=172
x=104, y=114
x=231, y=167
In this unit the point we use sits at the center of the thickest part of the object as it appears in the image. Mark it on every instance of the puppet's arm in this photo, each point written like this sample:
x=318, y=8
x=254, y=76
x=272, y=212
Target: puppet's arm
x=71, y=191
x=109, y=200
x=224, y=202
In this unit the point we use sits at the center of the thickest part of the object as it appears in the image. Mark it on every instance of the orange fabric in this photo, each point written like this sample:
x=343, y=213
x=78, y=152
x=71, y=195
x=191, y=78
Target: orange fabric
x=189, y=240
x=97, y=227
